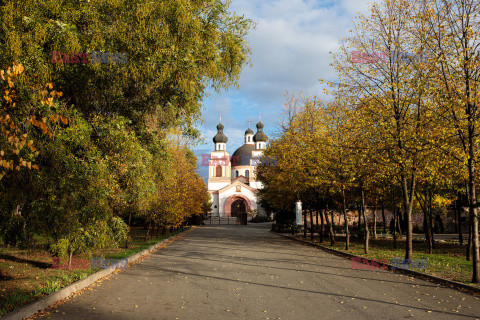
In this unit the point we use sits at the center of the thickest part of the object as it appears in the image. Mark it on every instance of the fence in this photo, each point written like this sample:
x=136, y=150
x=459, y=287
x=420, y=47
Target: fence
x=213, y=220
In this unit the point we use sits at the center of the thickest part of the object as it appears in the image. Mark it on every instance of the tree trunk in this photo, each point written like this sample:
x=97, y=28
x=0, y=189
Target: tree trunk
x=330, y=228
x=375, y=220
x=384, y=220
x=365, y=222
x=304, y=224
x=408, y=205
x=469, y=243
x=148, y=230
x=455, y=216
x=70, y=259
x=399, y=223
x=316, y=218
x=473, y=206
x=430, y=214
x=459, y=221
x=322, y=226
x=395, y=227
x=129, y=226
x=359, y=226
x=344, y=209
x=311, y=224
x=426, y=227
x=333, y=221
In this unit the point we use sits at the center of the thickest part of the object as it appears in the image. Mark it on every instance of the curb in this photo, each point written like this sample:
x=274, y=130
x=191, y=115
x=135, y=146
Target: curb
x=449, y=283
x=36, y=306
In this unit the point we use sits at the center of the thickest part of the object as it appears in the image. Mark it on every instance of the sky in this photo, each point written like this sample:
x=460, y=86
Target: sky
x=290, y=52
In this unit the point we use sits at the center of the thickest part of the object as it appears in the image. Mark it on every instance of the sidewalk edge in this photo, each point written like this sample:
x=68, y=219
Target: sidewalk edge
x=449, y=283
x=36, y=306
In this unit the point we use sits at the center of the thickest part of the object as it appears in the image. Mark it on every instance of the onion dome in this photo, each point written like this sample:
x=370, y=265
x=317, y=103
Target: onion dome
x=260, y=136
x=220, y=137
x=249, y=131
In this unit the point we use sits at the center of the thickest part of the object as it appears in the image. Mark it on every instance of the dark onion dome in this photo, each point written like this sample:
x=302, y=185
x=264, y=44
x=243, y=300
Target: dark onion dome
x=242, y=156
x=220, y=137
x=249, y=131
x=260, y=136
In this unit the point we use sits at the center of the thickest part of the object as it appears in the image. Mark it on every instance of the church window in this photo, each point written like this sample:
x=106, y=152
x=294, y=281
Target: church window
x=218, y=171
x=249, y=139
x=247, y=173
x=236, y=173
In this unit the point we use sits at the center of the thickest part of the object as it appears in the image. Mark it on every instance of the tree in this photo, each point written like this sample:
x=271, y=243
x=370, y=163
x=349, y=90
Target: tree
x=389, y=99
x=174, y=52
x=450, y=34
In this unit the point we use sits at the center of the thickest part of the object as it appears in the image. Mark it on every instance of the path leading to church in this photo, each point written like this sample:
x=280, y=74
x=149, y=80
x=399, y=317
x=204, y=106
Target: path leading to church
x=246, y=272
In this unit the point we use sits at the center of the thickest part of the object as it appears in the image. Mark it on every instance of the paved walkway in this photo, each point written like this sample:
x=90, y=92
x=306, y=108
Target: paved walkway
x=246, y=272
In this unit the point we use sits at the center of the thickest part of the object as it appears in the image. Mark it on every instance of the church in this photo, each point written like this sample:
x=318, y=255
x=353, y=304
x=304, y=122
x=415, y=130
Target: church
x=232, y=181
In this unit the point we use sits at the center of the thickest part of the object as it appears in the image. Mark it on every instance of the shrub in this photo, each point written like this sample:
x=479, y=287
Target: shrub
x=260, y=218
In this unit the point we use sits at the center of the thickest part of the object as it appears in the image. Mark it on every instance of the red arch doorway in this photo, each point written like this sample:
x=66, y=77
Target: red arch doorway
x=238, y=206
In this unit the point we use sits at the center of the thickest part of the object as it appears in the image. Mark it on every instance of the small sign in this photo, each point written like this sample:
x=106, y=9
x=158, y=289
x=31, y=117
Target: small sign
x=239, y=189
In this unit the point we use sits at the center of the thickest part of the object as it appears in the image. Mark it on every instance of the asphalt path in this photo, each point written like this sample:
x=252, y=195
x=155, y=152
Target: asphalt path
x=246, y=272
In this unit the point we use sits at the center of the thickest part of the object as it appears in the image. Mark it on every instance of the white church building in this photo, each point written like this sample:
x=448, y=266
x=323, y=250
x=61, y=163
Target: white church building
x=232, y=181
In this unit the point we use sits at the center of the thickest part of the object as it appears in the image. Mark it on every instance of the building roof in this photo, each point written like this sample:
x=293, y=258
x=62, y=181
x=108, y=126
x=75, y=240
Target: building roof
x=233, y=184
x=249, y=131
x=220, y=136
x=242, y=156
x=260, y=136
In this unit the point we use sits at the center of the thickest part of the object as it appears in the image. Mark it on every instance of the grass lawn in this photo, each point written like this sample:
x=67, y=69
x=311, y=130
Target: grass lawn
x=447, y=261
x=27, y=275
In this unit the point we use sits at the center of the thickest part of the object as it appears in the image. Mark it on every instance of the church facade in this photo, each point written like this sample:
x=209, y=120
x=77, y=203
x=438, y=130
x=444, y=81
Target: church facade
x=232, y=180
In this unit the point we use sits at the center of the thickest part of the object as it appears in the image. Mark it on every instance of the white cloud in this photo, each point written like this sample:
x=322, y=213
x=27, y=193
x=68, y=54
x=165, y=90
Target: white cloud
x=290, y=51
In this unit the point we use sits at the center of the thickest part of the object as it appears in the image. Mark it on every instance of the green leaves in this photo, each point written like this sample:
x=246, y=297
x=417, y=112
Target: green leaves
x=176, y=50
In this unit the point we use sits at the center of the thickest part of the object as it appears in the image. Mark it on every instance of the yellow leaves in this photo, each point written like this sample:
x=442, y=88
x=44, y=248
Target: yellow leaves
x=22, y=162
x=17, y=69
x=64, y=120
x=20, y=150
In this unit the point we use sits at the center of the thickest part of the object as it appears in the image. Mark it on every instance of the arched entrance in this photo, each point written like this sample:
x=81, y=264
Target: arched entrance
x=237, y=206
